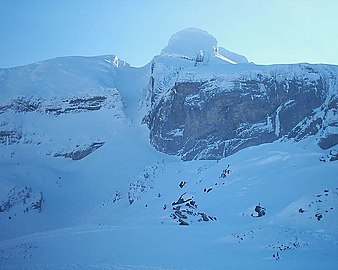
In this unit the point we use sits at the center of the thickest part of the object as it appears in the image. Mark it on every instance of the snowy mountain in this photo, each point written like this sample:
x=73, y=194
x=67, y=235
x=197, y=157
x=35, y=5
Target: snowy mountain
x=85, y=185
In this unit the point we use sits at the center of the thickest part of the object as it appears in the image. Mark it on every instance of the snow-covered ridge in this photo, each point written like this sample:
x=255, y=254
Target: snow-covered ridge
x=61, y=77
x=66, y=106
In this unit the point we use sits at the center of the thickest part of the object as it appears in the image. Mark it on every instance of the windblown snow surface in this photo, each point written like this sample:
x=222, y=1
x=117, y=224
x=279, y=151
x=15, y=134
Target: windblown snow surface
x=87, y=221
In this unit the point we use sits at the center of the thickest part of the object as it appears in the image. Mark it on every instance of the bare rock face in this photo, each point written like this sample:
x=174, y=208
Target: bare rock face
x=211, y=117
x=80, y=152
x=328, y=142
x=59, y=106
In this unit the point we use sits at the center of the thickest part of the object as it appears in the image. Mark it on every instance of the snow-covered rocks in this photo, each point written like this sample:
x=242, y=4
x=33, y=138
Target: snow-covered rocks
x=206, y=112
x=199, y=46
x=191, y=43
x=202, y=107
x=24, y=199
x=61, y=104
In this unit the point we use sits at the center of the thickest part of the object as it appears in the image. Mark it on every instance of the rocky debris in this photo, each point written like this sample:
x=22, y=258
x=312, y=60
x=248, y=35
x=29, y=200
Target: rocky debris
x=225, y=172
x=276, y=256
x=179, y=214
x=144, y=182
x=113, y=199
x=37, y=205
x=19, y=251
x=260, y=210
x=182, y=184
x=184, y=210
x=204, y=217
x=207, y=190
x=25, y=198
x=321, y=205
x=201, y=169
x=9, y=137
x=182, y=222
x=81, y=151
x=280, y=247
x=191, y=204
x=333, y=156
x=181, y=200
x=117, y=196
x=239, y=237
x=318, y=216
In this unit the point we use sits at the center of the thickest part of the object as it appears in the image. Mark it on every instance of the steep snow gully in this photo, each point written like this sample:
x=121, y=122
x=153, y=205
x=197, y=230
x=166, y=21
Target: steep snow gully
x=198, y=160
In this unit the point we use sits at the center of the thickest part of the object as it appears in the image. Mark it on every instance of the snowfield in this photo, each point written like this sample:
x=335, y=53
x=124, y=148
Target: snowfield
x=114, y=211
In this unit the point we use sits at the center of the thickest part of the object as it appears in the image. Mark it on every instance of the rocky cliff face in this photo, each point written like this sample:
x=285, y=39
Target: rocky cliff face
x=205, y=102
x=213, y=114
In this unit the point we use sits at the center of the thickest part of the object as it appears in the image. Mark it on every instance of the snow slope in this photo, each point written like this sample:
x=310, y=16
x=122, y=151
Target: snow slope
x=60, y=77
x=87, y=221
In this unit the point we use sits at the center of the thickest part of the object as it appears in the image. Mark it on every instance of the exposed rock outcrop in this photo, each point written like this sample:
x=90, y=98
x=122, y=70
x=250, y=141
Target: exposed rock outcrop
x=185, y=211
x=24, y=198
x=211, y=116
x=58, y=106
x=66, y=106
x=80, y=152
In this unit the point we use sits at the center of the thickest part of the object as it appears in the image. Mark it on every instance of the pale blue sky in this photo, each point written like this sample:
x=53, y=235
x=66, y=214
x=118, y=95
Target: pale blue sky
x=265, y=31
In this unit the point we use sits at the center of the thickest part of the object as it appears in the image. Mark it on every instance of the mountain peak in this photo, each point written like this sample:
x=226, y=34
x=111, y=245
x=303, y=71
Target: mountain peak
x=189, y=42
x=193, y=43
